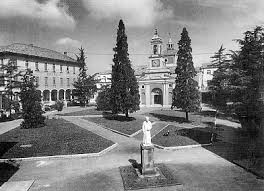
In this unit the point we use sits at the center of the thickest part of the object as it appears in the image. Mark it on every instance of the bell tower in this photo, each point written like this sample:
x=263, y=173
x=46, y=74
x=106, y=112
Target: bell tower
x=156, y=44
x=170, y=45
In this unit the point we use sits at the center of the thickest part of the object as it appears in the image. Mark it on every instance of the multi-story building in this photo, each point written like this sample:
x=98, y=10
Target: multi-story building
x=55, y=72
x=206, y=74
x=103, y=79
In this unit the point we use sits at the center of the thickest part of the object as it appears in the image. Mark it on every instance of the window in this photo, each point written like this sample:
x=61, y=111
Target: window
x=73, y=69
x=208, y=71
x=53, y=67
x=170, y=85
x=26, y=64
x=37, y=80
x=155, y=49
x=68, y=81
x=2, y=80
x=2, y=62
x=46, y=81
x=67, y=69
x=46, y=66
x=61, y=68
x=142, y=86
x=36, y=66
x=61, y=81
x=54, y=81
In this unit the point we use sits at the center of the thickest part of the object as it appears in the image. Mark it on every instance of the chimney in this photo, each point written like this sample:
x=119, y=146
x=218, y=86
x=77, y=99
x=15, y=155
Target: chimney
x=65, y=53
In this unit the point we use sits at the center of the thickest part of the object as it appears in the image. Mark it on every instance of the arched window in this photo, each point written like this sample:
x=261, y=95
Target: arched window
x=155, y=49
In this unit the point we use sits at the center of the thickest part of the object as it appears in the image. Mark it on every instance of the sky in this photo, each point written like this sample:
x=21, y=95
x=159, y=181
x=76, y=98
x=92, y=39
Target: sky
x=66, y=25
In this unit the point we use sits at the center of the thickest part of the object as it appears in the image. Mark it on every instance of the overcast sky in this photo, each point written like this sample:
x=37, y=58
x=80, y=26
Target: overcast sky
x=65, y=25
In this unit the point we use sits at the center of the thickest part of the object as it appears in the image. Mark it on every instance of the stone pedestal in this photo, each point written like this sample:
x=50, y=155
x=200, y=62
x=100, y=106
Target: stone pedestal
x=147, y=161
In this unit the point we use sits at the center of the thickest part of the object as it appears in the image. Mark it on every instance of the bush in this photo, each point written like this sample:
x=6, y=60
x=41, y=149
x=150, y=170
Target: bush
x=103, y=100
x=59, y=105
x=72, y=103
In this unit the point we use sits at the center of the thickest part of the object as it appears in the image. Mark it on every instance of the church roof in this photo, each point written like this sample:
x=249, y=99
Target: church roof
x=140, y=69
x=169, y=52
x=35, y=51
x=207, y=65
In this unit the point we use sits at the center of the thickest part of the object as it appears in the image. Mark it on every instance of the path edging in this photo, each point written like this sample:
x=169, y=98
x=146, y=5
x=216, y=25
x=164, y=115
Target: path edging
x=63, y=156
x=181, y=147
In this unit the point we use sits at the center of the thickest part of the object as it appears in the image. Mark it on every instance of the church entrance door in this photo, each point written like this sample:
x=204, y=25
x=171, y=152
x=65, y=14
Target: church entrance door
x=157, y=96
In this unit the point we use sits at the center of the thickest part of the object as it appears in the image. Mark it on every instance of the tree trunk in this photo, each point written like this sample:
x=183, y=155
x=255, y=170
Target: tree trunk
x=186, y=116
x=127, y=113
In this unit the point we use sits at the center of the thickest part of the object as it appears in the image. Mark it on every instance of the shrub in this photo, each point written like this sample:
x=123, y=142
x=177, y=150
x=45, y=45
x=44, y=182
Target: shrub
x=103, y=99
x=59, y=105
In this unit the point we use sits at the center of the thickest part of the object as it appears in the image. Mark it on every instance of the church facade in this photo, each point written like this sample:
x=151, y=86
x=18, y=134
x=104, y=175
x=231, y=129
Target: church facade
x=157, y=79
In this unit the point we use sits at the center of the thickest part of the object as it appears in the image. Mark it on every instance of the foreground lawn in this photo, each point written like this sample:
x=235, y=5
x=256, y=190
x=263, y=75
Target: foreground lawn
x=119, y=123
x=58, y=137
x=179, y=116
x=173, y=136
x=92, y=111
x=240, y=148
x=6, y=171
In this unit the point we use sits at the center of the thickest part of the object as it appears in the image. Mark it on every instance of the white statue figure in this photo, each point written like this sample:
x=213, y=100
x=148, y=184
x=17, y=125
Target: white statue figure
x=146, y=127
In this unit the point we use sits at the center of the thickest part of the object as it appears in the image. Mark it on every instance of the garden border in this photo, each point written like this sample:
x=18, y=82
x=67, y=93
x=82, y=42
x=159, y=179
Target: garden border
x=63, y=156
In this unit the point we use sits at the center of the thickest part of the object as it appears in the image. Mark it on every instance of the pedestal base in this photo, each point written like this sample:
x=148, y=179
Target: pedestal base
x=147, y=161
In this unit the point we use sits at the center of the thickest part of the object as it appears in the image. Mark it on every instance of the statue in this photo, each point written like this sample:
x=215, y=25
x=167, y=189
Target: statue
x=146, y=127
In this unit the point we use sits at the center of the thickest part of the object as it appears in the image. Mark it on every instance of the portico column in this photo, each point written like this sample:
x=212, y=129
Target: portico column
x=147, y=93
x=140, y=95
x=64, y=95
x=50, y=96
x=164, y=95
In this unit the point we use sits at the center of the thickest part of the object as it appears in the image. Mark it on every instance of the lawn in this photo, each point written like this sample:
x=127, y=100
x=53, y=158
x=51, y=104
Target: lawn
x=91, y=111
x=173, y=136
x=58, y=137
x=119, y=123
x=179, y=116
x=7, y=169
x=241, y=148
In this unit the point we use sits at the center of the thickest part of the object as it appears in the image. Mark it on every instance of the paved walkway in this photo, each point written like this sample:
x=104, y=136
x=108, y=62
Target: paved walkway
x=195, y=168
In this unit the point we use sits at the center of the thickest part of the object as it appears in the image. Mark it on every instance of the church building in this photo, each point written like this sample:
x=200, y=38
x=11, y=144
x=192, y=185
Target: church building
x=157, y=79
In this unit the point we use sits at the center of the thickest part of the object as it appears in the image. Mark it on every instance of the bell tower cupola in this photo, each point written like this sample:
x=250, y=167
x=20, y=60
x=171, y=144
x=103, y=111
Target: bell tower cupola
x=170, y=45
x=156, y=44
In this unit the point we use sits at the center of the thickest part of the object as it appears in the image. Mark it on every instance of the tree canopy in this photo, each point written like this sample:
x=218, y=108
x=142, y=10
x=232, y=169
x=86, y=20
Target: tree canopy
x=31, y=102
x=124, y=86
x=85, y=85
x=185, y=94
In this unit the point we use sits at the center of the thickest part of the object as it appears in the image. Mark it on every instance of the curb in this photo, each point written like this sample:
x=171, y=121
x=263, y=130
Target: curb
x=63, y=156
x=181, y=147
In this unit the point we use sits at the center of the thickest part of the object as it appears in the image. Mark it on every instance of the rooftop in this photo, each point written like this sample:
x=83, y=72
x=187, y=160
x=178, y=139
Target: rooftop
x=31, y=50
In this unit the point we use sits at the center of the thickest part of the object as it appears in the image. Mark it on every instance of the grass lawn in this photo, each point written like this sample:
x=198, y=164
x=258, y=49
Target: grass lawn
x=181, y=136
x=92, y=111
x=6, y=171
x=119, y=123
x=239, y=147
x=58, y=137
x=179, y=116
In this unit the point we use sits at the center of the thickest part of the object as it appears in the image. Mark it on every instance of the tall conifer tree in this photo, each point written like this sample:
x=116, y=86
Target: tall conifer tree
x=124, y=86
x=185, y=94
x=85, y=85
x=31, y=102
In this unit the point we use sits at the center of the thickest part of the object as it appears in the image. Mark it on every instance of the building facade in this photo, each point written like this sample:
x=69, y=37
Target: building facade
x=55, y=72
x=205, y=75
x=157, y=79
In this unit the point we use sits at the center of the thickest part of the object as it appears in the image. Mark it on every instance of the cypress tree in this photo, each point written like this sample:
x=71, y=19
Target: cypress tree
x=31, y=102
x=185, y=94
x=124, y=86
x=85, y=85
